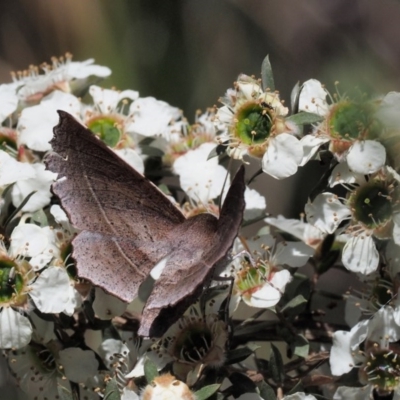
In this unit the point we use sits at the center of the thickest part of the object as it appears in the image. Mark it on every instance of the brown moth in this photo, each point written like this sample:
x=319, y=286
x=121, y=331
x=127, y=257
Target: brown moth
x=127, y=226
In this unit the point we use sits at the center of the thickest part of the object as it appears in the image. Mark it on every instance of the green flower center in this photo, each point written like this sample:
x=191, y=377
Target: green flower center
x=382, y=369
x=11, y=281
x=254, y=123
x=351, y=121
x=106, y=129
x=194, y=343
x=371, y=205
x=251, y=278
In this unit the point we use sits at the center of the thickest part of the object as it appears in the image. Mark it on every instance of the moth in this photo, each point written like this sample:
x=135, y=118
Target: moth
x=127, y=226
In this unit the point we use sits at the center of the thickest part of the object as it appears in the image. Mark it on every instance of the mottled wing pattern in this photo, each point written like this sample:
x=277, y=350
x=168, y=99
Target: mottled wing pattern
x=207, y=241
x=126, y=221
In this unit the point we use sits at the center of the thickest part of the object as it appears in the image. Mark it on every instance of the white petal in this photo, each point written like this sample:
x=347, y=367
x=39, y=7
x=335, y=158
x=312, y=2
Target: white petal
x=131, y=157
x=109, y=347
x=44, y=330
x=52, y=291
x=37, y=122
x=12, y=170
x=342, y=174
x=8, y=100
x=28, y=240
x=271, y=292
x=366, y=157
x=353, y=393
x=299, y=396
x=283, y=156
x=152, y=116
x=107, y=306
x=84, y=69
x=128, y=394
x=40, y=184
x=294, y=254
x=313, y=98
x=15, y=329
x=308, y=233
x=207, y=185
x=311, y=144
x=255, y=204
x=396, y=228
x=79, y=365
x=107, y=100
x=58, y=213
x=360, y=255
x=383, y=328
x=341, y=358
x=326, y=212
x=389, y=110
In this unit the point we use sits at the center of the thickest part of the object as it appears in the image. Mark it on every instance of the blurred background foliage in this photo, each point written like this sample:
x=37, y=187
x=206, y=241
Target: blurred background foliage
x=188, y=52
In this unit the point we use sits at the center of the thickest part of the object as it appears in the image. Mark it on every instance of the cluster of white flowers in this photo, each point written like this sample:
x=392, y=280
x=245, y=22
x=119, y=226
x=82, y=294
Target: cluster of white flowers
x=64, y=338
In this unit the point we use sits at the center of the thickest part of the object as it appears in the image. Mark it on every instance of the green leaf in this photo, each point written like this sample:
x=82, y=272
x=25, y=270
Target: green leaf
x=297, y=301
x=298, y=387
x=300, y=346
x=206, y=391
x=266, y=391
x=238, y=355
x=146, y=141
x=265, y=230
x=276, y=365
x=299, y=286
x=218, y=150
x=267, y=78
x=294, y=98
x=241, y=384
x=152, y=151
x=19, y=208
x=40, y=218
x=150, y=370
x=64, y=393
x=112, y=391
x=304, y=118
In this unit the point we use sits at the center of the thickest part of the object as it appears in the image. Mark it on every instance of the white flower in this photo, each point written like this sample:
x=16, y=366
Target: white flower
x=107, y=100
x=367, y=347
x=370, y=208
x=15, y=329
x=256, y=126
x=44, y=370
x=39, y=182
x=308, y=233
x=261, y=282
x=12, y=170
x=207, y=185
x=152, y=117
x=255, y=204
x=36, y=123
x=30, y=240
x=107, y=306
x=64, y=74
x=313, y=98
x=350, y=127
x=8, y=100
